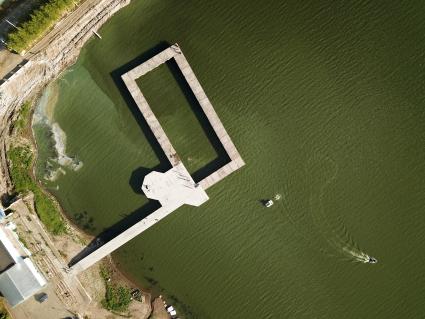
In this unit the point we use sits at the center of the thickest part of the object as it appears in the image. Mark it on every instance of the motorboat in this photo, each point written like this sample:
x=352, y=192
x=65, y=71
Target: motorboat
x=268, y=203
x=371, y=260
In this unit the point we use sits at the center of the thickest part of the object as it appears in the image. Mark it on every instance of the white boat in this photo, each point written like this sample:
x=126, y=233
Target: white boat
x=370, y=260
x=269, y=203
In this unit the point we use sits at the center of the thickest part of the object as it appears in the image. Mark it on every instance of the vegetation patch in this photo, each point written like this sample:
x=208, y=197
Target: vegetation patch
x=21, y=161
x=39, y=22
x=4, y=314
x=20, y=164
x=24, y=116
x=117, y=298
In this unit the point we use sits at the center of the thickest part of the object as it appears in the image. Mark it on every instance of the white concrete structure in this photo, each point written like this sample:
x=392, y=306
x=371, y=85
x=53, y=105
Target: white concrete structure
x=175, y=187
x=174, y=52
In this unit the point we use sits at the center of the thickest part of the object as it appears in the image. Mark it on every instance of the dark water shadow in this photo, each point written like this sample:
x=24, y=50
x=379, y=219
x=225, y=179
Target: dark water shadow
x=116, y=77
x=129, y=220
x=222, y=157
x=263, y=202
x=137, y=176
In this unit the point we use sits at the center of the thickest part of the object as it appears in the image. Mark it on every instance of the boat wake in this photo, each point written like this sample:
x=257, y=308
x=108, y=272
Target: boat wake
x=324, y=171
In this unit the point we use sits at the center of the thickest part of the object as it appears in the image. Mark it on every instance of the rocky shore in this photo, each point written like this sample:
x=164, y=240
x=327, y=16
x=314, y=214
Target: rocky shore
x=45, y=61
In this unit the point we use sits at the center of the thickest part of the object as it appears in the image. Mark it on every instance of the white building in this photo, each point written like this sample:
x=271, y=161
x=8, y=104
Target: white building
x=19, y=278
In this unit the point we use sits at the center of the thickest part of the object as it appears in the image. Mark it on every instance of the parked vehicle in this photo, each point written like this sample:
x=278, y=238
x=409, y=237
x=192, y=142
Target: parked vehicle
x=42, y=297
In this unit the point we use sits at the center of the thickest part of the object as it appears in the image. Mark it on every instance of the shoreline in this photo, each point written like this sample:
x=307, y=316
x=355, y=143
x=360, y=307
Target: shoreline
x=75, y=239
x=57, y=51
x=28, y=83
x=119, y=274
x=54, y=57
x=69, y=222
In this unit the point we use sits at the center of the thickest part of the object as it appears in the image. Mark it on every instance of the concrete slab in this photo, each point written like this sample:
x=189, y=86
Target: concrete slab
x=51, y=308
x=175, y=186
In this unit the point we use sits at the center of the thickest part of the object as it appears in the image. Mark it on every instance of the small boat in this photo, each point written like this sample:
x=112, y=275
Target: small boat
x=269, y=203
x=371, y=260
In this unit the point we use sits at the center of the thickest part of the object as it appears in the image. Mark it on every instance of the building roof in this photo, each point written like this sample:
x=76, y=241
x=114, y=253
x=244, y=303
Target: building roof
x=20, y=282
x=19, y=279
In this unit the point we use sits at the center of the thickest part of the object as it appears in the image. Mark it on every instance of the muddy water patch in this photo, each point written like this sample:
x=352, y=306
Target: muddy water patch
x=51, y=139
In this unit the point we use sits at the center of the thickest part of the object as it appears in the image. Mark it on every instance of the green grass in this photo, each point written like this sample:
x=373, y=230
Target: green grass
x=3, y=312
x=48, y=212
x=117, y=298
x=21, y=161
x=20, y=165
x=23, y=118
x=38, y=24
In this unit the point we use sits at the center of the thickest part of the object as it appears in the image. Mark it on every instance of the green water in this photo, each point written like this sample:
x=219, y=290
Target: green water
x=325, y=102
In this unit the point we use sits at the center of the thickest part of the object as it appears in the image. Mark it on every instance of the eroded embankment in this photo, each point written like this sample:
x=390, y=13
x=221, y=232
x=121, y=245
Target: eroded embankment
x=55, y=52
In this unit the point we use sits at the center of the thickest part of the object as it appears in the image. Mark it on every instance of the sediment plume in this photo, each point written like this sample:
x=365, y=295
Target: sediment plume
x=56, y=51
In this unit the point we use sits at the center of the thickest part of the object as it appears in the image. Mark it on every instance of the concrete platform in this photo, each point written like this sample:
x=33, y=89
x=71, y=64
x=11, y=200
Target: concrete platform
x=175, y=187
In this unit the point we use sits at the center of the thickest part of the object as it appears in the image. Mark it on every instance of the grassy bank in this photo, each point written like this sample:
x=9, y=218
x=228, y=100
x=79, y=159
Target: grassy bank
x=4, y=314
x=38, y=24
x=21, y=161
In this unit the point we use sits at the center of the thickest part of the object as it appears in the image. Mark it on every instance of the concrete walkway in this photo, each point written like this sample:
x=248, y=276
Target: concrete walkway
x=174, y=52
x=175, y=187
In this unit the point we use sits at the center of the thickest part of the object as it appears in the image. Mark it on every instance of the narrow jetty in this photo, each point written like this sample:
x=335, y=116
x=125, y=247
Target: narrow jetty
x=97, y=34
x=175, y=187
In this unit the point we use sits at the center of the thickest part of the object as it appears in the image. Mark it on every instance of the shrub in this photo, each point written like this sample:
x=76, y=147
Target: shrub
x=117, y=298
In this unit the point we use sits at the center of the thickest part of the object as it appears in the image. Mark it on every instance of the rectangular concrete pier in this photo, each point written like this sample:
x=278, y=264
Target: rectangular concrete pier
x=151, y=119
x=171, y=197
x=236, y=161
x=174, y=52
